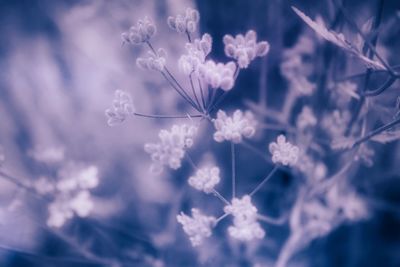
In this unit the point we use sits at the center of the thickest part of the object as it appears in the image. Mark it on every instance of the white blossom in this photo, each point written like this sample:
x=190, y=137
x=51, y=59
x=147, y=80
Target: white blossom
x=185, y=22
x=153, y=61
x=170, y=150
x=141, y=33
x=71, y=195
x=306, y=118
x=198, y=227
x=218, y=75
x=196, y=55
x=295, y=71
x=205, y=179
x=122, y=107
x=234, y=128
x=244, y=48
x=82, y=203
x=284, y=152
x=245, y=226
x=335, y=123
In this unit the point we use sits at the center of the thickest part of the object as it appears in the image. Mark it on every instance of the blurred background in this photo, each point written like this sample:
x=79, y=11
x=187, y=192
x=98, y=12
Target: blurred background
x=60, y=63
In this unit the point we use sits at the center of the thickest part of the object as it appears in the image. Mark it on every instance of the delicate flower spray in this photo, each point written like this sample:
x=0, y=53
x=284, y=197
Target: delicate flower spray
x=319, y=205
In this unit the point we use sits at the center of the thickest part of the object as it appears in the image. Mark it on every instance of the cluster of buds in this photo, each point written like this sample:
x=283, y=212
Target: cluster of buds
x=218, y=75
x=170, y=150
x=71, y=193
x=284, y=152
x=306, y=118
x=185, y=22
x=245, y=48
x=122, y=107
x=234, y=128
x=198, y=227
x=205, y=179
x=141, y=33
x=154, y=61
x=245, y=226
x=196, y=54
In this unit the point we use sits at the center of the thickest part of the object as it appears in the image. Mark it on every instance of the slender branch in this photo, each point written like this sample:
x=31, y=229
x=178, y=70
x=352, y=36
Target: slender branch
x=264, y=181
x=168, y=116
x=275, y=221
x=202, y=94
x=221, y=218
x=375, y=132
x=233, y=170
x=219, y=196
x=194, y=91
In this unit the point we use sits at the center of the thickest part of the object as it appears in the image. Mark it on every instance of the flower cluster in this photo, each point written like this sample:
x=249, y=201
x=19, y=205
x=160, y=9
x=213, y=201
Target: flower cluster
x=170, y=150
x=71, y=194
x=306, y=118
x=335, y=122
x=153, y=61
x=205, y=179
x=198, y=227
x=343, y=93
x=245, y=226
x=296, y=69
x=234, y=128
x=141, y=33
x=196, y=55
x=284, y=152
x=244, y=48
x=122, y=107
x=218, y=75
x=185, y=22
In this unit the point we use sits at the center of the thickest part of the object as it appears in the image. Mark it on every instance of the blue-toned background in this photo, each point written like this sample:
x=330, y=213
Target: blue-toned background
x=60, y=63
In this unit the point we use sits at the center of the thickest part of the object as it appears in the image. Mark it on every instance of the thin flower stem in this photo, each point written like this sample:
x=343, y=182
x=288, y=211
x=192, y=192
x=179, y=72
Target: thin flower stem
x=188, y=36
x=382, y=88
x=194, y=91
x=187, y=116
x=202, y=94
x=178, y=84
x=275, y=221
x=219, y=196
x=233, y=158
x=220, y=218
x=190, y=160
x=219, y=101
x=375, y=132
x=359, y=75
x=182, y=94
x=265, y=180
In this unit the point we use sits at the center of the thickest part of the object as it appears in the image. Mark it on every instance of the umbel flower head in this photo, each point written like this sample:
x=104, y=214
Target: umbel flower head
x=153, y=61
x=185, y=22
x=284, y=152
x=245, y=226
x=170, y=150
x=218, y=75
x=71, y=193
x=196, y=55
x=198, y=227
x=306, y=118
x=205, y=179
x=244, y=48
x=141, y=33
x=122, y=107
x=234, y=128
